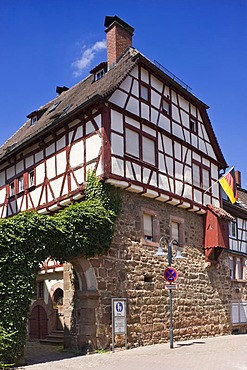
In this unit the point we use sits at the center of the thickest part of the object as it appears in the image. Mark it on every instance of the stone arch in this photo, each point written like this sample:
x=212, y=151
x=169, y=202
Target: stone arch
x=85, y=273
x=80, y=305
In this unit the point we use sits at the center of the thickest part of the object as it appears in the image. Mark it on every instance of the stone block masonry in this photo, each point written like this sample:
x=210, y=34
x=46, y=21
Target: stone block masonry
x=201, y=305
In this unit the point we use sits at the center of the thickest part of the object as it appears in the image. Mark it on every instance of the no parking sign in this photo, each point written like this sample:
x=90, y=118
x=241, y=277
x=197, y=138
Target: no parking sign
x=170, y=274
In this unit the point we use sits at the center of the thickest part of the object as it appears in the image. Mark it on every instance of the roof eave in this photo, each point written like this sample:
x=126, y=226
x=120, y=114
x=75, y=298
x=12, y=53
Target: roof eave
x=53, y=124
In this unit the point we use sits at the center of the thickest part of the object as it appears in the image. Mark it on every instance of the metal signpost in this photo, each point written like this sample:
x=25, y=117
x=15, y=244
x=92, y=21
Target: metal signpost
x=170, y=275
x=119, y=324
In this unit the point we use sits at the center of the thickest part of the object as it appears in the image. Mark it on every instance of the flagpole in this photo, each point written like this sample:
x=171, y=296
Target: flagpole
x=218, y=179
x=211, y=186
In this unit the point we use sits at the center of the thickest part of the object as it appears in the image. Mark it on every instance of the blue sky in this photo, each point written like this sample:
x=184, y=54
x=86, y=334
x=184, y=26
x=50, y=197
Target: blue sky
x=46, y=43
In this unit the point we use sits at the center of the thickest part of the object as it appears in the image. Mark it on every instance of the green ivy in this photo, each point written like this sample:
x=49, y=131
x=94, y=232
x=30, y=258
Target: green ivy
x=27, y=239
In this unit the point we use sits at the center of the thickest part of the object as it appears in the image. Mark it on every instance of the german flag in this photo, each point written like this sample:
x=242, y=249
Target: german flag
x=228, y=183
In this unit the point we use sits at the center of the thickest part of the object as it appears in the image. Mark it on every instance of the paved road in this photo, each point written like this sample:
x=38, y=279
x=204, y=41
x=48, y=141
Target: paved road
x=218, y=353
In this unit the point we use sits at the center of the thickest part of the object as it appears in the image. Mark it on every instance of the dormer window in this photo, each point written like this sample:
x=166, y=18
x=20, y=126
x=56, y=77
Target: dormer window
x=99, y=71
x=99, y=75
x=35, y=115
x=34, y=119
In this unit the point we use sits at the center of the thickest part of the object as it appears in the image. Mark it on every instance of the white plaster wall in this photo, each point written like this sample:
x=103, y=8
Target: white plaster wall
x=76, y=155
x=93, y=146
x=50, y=167
x=61, y=162
x=2, y=195
x=40, y=173
x=56, y=186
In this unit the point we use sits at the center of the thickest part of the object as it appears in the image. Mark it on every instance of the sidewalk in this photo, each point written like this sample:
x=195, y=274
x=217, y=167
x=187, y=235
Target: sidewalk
x=218, y=353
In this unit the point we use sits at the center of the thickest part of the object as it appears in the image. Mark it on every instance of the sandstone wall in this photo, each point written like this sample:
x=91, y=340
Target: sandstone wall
x=201, y=305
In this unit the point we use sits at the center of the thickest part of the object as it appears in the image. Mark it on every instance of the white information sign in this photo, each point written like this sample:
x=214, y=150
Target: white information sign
x=119, y=318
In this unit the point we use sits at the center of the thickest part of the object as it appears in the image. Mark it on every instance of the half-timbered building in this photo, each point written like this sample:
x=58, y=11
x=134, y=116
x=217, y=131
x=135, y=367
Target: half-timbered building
x=143, y=131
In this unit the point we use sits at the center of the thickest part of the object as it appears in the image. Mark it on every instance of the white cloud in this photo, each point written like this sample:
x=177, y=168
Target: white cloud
x=87, y=57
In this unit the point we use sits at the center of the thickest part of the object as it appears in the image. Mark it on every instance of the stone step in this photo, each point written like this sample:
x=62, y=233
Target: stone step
x=55, y=338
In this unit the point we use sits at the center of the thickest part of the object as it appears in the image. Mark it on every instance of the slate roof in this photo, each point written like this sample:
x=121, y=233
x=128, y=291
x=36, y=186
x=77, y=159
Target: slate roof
x=85, y=93
x=242, y=198
x=239, y=208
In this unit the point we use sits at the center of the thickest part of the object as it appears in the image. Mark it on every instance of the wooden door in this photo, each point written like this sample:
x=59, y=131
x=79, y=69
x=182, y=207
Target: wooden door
x=38, y=323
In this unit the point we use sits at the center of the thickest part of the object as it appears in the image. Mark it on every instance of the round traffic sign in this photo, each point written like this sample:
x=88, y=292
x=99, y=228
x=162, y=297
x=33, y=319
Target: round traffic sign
x=170, y=274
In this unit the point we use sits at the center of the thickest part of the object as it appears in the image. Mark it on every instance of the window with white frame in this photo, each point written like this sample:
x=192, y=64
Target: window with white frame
x=34, y=119
x=150, y=225
x=166, y=107
x=148, y=150
x=201, y=176
x=140, y=146
x=30, y=178
x=237, y=267
x=193, y=125
x=20, y=184
x=144, y=92
x=132, y=143
x=233, y=229
x=99, y=74
x=12, y=189
x=239, y=312
x=177, y=229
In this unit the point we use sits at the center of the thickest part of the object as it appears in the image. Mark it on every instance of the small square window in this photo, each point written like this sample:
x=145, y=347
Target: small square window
x=144, y=92
x=166, y=107
x=193, y=125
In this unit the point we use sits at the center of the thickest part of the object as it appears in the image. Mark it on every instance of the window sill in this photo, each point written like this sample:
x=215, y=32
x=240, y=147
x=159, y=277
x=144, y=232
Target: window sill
x=238, y=280
x=149, y=243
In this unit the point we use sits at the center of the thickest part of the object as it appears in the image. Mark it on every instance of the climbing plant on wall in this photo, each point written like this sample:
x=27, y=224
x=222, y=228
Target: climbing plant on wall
x=28, y=238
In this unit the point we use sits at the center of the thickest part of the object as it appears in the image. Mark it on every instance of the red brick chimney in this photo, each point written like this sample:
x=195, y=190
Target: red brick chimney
x=119, y=38
x=238, y=178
